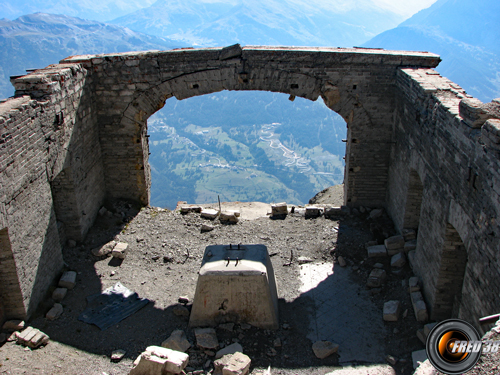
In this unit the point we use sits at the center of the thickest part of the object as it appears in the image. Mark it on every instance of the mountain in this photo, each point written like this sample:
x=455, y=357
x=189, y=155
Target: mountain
x=262, y=22
x=465, y=33
x=102, y=10
x=38, y=40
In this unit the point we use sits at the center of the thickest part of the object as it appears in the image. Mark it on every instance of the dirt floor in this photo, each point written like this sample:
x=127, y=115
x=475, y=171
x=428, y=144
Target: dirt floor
x=164, y=256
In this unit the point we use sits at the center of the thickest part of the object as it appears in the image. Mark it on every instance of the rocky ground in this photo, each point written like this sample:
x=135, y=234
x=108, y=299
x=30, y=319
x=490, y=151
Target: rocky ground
x=163, y=258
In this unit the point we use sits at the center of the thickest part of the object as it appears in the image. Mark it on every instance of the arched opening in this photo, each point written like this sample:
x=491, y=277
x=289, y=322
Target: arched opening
x=244, y=146
x=11, y=298
x=413, y=201
x=451, y=276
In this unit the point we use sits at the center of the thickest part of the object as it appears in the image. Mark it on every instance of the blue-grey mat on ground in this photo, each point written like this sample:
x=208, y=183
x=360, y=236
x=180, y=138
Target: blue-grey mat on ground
x=111, y=306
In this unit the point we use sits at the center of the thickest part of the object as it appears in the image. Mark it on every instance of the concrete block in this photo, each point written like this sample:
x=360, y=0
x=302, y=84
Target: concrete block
x=312, y=212
x=239, y=364
x=376, y=278
x=230, y=349
x=190, y=208
x=279, y=209
x=391, y=311
x=377, y=251
x=120, y=250
x=59, y=294
x=323, y=349
x=419, y=307
x=228, y=217
x=398, y=260
x=68, y=280
x=206, y=338
x=55, y=312
x=209, y=213
x=177, y=341
x=394, y=242
x=156, y=360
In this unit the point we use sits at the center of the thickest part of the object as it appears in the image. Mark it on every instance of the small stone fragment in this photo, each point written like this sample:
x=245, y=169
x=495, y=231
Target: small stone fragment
x=377, y=251
x=104, y=250
x=304, y=260
x=277, y=342
x=230, y=349
x=323, y=349
x=391, y=360
x=177, y=341
x=209, y=213
x=391, y=311
x=188, y=209
x=59, y=294
x=68, y=280
x=207, y=228
x=119, y=251
x=183, y=299
x=342, y=262
x=13, y=325
x=55, y=312
x=117, y=355
x=398, y=260
x=206, y=338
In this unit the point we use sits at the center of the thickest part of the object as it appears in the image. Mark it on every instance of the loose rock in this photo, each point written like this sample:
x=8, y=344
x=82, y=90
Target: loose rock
x=376, y=278
x=118, y=355
x=59, y=294
x=377, y=251
x=55, y=312
x=391, y=311
x=342, y=262
x=279, y=209
x=13, y=325
x=398, y=260
x=119, y=251
x=158, y=361
x=230, y=349
x=206, y=338
x=104, y=250
x=68, y=280
x=323, y=349
x=177, y=341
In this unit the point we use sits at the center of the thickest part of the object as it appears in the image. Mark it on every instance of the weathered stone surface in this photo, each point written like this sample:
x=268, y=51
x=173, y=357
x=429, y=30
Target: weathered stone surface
x=59, y=294
x=279, y=209
x=68, y=280
x=190, y=208
x=391, y=311
x=230, y=349
x=323, y=349
x=207, y=228
x=376, y=278
x=419, y=307
x=206, y=338
x=410, y=245
x=120, y=250
x=55, y=312
x=409, y=234
x=209, y=213
x=333, y=212
x=177, y=341
x=13, y=325
x=228, y=217
x=156, y=360
x=398, y=260
x=376, y=213
x=377, y=251
x=394, y=242
x=117, y=355
x=312, y=212
x=413, y=284
x=233, y=364
x=32, y=338
x=230, y=52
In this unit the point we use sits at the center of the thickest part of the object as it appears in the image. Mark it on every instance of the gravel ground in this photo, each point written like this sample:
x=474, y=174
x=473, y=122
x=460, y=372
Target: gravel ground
x=164, y=256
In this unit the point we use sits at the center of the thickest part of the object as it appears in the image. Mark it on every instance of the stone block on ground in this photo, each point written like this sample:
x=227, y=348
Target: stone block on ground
x=206, y=338
x=419, y=307
x=413, y=284
x=228, y=217
x=279, y=209
x=394, y=242
x=238, y=364
x=377, y=251
x=323, y=349
x=177, y=341
x=13, y=325
x=156, y=360
x=391, y=311
x=117, y=355
x=55, y=312
x=418, y=357
x=428, y=328
x=409, y=234
x=68, y=280
x=190, y=208
x=410, y=245
x=120, y=250
x=398, y=260
x=312, y=212
x=333, y=212
x=59, y=294
x=376, y=213
x=104, y=250
x=376, y=278
x=32, y=338
x=209, y=213
x=230, y=349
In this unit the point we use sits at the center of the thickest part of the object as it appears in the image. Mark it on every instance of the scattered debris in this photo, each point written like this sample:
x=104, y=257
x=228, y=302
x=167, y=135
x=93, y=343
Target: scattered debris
x=376, y=278
x=32, y=338
x=55, y=312
x=419, y=307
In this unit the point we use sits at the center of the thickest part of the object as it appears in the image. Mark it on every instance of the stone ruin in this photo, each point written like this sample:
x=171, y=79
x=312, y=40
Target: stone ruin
x=417, y=145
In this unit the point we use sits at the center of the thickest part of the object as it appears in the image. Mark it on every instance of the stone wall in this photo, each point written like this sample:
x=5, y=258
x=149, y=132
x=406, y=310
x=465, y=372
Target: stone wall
x=441, y=134
x=76, y=133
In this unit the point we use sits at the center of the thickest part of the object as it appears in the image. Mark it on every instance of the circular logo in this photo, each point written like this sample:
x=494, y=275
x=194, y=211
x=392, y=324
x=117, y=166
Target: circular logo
x=453, y=346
